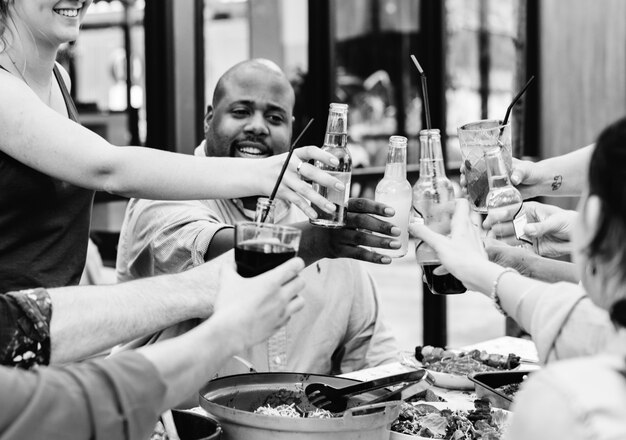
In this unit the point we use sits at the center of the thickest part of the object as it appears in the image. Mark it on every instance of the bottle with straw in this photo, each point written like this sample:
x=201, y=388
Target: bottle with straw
x=433, y=202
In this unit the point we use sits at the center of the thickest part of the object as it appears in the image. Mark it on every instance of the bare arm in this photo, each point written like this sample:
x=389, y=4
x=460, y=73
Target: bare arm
x=89, y=319
x=563, y=175
x=42, y=139
x=248, y=311
x=532, y=265
x=361, y=232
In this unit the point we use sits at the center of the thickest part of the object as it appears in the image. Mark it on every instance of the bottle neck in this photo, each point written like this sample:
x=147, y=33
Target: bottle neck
x=337, y=126
x=431, y=156
x=497, y=173
x=395, y=168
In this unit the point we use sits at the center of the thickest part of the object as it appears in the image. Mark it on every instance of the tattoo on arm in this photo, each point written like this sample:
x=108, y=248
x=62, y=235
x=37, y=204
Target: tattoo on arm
x=556, y=184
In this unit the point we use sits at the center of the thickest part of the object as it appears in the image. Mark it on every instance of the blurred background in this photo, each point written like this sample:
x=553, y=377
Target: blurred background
x=143, y=73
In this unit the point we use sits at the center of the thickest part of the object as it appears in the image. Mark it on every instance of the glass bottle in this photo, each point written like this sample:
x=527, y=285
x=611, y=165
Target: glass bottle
x=433, y=203
x=335, y=142
x=265, y=210
x=503, y=199
x=394, y=190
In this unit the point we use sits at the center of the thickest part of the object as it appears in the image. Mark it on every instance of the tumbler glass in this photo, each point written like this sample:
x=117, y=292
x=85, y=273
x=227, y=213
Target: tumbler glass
x=260, y=247
x=475, y=139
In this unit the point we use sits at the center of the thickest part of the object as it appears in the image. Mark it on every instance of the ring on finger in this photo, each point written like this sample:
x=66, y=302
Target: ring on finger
x=299, y=166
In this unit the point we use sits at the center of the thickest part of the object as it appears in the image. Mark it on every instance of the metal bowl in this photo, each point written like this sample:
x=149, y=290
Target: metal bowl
x=232, y=400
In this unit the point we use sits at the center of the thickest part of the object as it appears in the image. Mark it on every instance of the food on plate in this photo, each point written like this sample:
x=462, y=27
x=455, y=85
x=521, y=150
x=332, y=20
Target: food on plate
x=425, y=396
x=427, y=421
x=464, y=362
x=509, y=390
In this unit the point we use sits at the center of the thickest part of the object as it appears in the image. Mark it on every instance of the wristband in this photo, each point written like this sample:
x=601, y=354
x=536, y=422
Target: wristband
x=494, y=290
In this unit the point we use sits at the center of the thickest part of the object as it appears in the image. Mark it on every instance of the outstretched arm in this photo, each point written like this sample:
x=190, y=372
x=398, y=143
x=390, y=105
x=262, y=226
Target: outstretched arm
x=121, y=397
x=89, y=319
x=39, y=137
x=563, y=175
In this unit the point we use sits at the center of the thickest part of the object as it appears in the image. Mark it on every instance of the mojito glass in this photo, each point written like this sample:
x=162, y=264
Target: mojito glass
x=475, y=139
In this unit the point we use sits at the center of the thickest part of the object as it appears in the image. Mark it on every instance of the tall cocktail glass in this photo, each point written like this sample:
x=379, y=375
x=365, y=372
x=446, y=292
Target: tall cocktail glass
x=475, y=139
x=260, y=247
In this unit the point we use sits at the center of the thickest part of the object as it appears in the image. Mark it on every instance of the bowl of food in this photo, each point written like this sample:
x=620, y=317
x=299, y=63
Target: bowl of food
x=274, y=406
x=499, y=387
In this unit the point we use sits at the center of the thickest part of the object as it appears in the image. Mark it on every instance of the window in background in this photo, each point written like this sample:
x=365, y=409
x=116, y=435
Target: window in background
x=375, y=77
x=481, y=60
x=112, y=32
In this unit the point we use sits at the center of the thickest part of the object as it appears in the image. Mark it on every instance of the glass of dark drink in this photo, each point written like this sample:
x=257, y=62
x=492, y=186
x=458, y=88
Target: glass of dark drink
x=446, y=284
x=260, y=247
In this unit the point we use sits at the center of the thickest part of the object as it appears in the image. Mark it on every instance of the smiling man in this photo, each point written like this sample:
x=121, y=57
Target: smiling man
x=339, y=329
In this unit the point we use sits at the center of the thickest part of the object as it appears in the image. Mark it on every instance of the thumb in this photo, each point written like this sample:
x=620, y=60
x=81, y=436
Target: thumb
x=519, y=172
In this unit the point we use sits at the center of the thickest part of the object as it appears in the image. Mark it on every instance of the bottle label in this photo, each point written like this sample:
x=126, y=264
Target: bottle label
x=518, y=225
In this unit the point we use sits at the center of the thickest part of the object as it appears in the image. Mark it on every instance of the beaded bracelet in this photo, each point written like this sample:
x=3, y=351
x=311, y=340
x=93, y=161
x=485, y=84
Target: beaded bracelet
x=494, y=290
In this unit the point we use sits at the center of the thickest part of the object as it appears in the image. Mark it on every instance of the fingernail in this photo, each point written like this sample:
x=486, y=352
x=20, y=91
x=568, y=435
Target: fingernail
x=390, y=211
x=330, y=206
x=395, y=244
x=340, y=186
x=515, y=179
x=334, y=161
x=311, y=213
x=395, y=231
x=385, y=260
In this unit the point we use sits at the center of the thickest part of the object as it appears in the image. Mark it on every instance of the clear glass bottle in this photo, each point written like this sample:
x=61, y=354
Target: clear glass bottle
x=335, y=142
x=394, y=190
x=503, y=199
x=433, y=203
x=265, y=210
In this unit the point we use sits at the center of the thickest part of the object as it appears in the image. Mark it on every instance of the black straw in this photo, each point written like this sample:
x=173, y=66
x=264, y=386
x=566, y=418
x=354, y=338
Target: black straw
x=424, y=90
x=282, y=171
x=517, y=98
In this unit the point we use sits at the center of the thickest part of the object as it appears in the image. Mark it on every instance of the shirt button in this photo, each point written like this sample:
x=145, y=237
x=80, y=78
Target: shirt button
x=278, y=360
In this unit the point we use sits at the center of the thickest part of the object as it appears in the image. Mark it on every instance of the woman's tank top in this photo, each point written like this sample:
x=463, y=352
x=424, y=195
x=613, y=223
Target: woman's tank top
x=44, y=223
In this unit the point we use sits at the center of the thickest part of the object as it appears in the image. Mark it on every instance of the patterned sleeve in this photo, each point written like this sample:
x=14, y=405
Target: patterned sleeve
x=25, y=328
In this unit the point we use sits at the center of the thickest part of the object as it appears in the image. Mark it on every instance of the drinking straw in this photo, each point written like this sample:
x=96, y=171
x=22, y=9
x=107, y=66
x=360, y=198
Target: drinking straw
x=517, y=98
x=282, y=171
x=424, y=90
x=427, y=110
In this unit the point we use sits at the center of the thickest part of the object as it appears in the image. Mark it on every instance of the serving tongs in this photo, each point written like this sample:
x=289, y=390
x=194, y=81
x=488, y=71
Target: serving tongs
x=336, y=399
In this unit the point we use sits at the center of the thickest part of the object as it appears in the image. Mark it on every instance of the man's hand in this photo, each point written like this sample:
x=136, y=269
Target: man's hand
x=257, y=307
x=362, y=231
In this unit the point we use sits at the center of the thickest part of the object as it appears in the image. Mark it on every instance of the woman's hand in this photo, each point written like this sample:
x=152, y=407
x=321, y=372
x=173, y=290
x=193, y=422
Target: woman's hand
x=293, y=188
x=548, y=226
x=257, y=307
x=463, y=250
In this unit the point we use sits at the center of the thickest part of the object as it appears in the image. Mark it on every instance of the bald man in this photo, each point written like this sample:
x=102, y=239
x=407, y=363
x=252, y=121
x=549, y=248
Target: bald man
x=340, y=328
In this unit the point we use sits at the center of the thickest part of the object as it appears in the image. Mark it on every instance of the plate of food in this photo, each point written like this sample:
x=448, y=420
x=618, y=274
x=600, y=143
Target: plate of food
x=451, y=368
x=449, y=421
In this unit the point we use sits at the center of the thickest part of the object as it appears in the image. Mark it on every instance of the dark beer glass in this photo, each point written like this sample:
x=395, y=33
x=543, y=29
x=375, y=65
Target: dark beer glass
x=260, y=247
